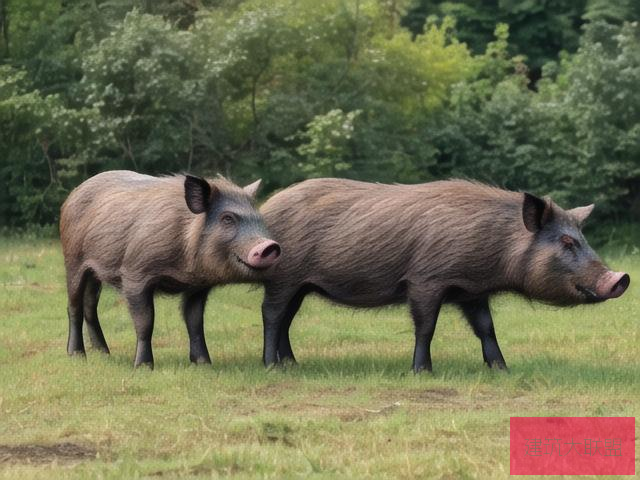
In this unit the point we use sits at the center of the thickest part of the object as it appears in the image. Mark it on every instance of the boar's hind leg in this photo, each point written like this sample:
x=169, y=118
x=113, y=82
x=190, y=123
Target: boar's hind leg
x=478, y=315
x=90, y=304
x=75, y=342
x=425, y=314
x=141, y=309
x=193, y=312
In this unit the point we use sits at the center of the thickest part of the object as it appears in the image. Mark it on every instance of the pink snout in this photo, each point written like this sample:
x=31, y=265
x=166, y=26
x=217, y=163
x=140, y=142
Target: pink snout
x=612, y=284
x=264, y=254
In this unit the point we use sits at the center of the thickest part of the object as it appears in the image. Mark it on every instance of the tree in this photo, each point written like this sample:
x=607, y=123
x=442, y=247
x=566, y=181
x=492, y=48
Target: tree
x=578, y=139
x=540, y=29
x=38, y=141
x=4, y=27
x=146, y=80
x=288, y=89
x=612, y=11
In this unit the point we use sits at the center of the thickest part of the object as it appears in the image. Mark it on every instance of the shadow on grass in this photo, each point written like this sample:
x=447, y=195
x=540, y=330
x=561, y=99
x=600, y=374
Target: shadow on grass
x=538, y=371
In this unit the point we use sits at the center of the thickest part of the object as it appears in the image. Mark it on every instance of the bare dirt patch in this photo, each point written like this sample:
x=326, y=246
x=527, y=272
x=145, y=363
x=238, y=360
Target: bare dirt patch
x=362, y=414
x=435, y=393
x=452, y=399
x=277, y=389
x=34, y=348
x=433, y=396
x=270, y=389
x=201, y=470
x=34, y=453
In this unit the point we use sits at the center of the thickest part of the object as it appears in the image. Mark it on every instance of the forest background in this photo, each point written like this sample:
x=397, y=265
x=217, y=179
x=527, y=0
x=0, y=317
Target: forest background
x=535, y=95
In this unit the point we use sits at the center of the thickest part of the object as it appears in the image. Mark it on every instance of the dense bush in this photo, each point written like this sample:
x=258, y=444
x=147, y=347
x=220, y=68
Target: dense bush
x=539, y=28
x=290, y=90
x=577, y=138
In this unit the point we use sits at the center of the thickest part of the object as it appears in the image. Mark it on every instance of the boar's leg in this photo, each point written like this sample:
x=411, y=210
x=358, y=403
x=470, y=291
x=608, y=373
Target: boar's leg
x=75, y=342
x=193, y=304
x=90, y=306
x=285, y=352
x=425, y=314
x=141, y=309
x=478, y=315
x=75, y=286
x=272, y=316
x=278, y=309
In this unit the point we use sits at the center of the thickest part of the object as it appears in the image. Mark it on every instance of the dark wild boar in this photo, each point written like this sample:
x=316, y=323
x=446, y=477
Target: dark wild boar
x=144, y=234
x=366, y=245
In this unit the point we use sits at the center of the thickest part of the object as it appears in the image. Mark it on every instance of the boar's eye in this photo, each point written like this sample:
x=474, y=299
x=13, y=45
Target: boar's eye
x=569, y=242
x=227, y=219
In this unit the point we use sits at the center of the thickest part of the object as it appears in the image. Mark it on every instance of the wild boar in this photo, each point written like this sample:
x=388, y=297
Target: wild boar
x=142, y=234
x=367, y=245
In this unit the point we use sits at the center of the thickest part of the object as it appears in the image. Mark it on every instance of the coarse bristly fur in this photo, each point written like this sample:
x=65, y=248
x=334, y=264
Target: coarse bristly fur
x=139, y=234
x=366, y=245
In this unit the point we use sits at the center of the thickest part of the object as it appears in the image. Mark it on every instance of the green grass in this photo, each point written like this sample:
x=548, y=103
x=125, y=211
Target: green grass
x=350, y=408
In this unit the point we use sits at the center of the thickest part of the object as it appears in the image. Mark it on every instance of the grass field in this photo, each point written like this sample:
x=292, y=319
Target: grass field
x=350, y=408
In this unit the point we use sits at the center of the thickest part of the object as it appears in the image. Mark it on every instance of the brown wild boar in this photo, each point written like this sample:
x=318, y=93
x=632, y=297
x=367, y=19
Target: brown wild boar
x=366, y=245
x=144, y=234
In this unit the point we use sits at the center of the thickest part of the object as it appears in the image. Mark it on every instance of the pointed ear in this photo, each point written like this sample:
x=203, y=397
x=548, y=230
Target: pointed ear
x=536, y=212
x=253, y=188
x=580, y=214
x=197, y=194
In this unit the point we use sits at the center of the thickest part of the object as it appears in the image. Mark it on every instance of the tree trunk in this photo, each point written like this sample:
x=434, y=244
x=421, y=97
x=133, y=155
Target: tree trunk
x=4, y=26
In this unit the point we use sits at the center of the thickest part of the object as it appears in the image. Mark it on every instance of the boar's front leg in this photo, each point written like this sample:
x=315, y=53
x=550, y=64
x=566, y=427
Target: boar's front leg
x=279, y=307
x=193, y=304
x=141, y=309
x=424, y=311
x=271, y=315
x=478, y=315
x=285, y=352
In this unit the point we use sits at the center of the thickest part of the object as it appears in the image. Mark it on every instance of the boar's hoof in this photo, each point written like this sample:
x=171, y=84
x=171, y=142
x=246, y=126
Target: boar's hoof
x=98, y=343
x=422, y=370
x=101, y=348
x=287, y=362
x=272, y=367
x=202, y=360
x=144, y=355
x=148, y=365
x=498, y=365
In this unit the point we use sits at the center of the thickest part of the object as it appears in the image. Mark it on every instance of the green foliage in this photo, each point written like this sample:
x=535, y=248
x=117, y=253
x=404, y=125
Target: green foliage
x=416, y=74
x=38, y=141
x=540, y=29
x=286, y=90
x=326, y=146
x=146, y=81
x=283, y=67
x=26, y=17
x=612, y=11
x=577, y=139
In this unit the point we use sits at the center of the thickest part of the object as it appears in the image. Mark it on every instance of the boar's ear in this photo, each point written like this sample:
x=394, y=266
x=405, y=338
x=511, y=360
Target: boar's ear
x=580, y=214
x=536, y=212
x=252, y=189
x=197, y=193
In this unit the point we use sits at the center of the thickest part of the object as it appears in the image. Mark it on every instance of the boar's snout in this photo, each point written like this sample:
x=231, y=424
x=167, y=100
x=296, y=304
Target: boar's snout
x=612, y=285
x=264, y=254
